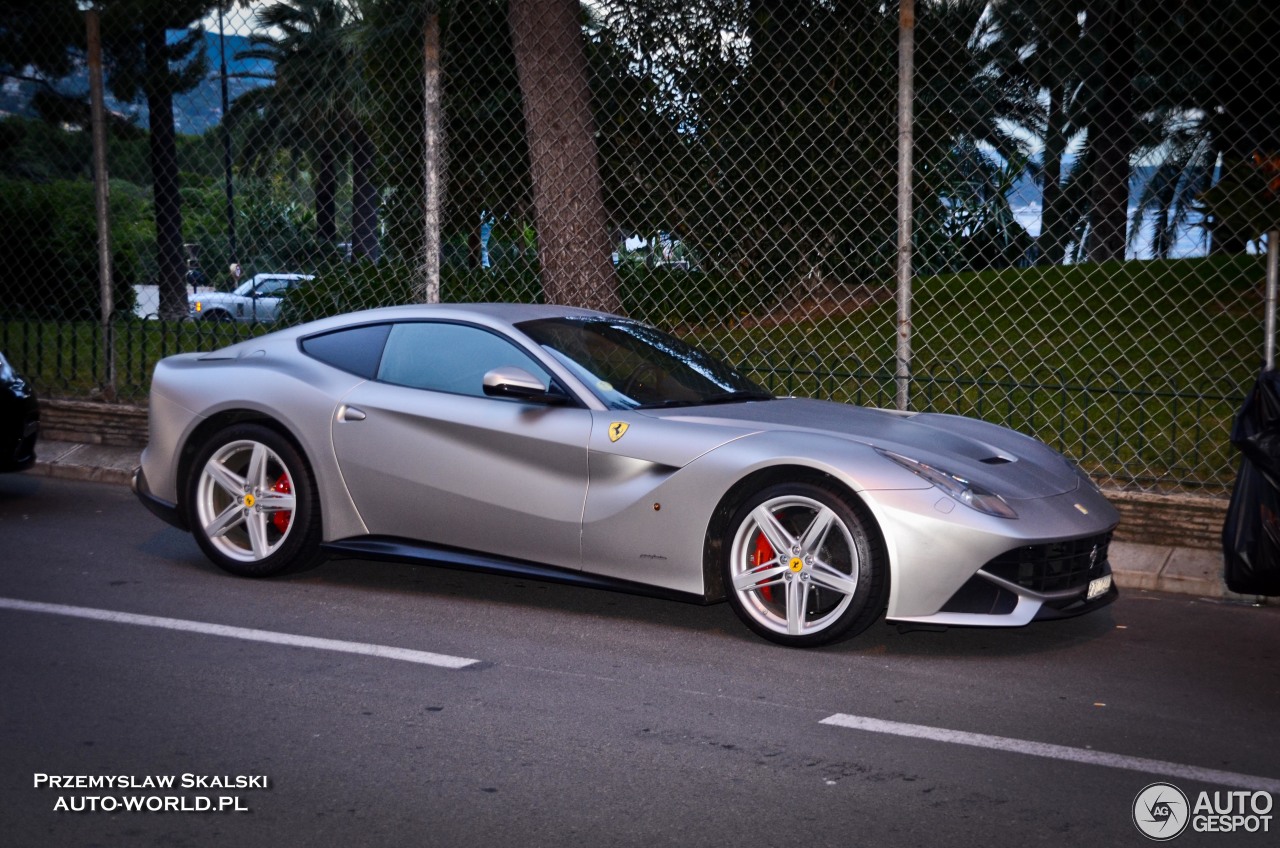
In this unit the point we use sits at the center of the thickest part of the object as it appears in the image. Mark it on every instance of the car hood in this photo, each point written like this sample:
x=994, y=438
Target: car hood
x=994, y=457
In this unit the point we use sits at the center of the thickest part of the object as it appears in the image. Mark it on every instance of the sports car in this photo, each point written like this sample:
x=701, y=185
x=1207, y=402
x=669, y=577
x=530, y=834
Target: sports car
x=588, y=448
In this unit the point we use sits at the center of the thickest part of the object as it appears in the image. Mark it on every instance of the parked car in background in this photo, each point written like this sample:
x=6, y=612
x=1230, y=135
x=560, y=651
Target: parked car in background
x=19, y=420
x=256, y=299
x=562, y=444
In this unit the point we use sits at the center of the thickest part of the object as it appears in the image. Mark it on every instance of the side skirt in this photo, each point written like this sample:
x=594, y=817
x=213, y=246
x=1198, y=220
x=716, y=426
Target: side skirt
x=392, y=549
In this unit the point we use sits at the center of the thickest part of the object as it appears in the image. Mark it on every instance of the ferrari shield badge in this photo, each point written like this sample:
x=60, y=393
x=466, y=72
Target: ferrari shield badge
x=617, y=430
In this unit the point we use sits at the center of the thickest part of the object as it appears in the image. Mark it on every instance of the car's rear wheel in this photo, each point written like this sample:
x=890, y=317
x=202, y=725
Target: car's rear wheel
x=803, y=567
x=253, y=505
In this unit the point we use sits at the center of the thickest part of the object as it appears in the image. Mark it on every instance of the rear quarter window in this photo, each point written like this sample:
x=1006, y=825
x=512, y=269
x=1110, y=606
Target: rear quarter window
x=357, y=350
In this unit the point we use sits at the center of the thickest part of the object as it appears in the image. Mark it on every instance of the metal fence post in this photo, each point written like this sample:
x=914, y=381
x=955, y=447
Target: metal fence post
x=432, y=154
x=228, y=182
x=102, y=201
x=906, y=96
x=1273, y=282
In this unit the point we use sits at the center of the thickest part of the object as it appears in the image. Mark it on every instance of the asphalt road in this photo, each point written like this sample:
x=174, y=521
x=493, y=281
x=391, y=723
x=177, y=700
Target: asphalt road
x=587, y=718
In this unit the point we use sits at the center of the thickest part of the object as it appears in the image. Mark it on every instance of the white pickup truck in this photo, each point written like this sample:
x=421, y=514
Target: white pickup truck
x=256, y=299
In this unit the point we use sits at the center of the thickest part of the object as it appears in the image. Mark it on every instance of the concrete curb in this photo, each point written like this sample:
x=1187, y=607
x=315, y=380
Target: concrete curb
x=72, y=461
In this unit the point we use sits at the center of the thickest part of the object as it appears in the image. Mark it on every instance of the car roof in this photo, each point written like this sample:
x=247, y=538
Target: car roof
x=495, y=315
x=482, y=313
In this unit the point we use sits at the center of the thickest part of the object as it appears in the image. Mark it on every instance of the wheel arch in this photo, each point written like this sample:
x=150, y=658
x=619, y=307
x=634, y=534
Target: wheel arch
x=739, y=492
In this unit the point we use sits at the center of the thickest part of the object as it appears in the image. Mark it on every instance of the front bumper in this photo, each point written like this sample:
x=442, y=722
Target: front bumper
x=1032, y=583
x=168, y=512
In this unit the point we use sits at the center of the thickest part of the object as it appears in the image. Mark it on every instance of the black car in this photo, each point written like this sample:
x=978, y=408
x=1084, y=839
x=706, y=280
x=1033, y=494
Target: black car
x=19, y=420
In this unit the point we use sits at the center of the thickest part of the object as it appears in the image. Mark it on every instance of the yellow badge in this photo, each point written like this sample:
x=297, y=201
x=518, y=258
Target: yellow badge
x=249, y=500
x=796, y=565
x=617, y=430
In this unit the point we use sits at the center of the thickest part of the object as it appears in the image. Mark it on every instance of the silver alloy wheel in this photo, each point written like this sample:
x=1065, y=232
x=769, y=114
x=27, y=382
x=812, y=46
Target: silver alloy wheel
x=794, y=565
x=244, y=501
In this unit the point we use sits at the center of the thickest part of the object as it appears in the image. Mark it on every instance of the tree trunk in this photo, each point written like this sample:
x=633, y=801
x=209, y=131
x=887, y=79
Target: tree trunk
x=364, y=197
x=1111, y=129
x=1052, y=240
x=326, y=194
x=573, y=235
x=163, y=155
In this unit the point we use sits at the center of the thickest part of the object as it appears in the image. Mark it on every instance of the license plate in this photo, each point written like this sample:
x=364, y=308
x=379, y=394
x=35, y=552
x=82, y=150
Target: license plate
x=1098, y=587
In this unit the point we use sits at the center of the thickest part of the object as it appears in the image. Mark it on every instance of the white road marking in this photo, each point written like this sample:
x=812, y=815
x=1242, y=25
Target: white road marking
x=272, y=637
x=1055, y=752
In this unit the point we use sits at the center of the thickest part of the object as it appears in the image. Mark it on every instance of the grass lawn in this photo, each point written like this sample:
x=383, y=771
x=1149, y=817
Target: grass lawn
x=1135, y=369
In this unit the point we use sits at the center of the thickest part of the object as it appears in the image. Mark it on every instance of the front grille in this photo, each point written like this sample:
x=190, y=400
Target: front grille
x=1055, y=566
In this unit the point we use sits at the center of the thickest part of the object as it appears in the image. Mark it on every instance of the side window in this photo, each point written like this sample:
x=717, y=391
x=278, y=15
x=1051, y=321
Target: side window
x=449, y=357
x=272, y=287
x=357, y=350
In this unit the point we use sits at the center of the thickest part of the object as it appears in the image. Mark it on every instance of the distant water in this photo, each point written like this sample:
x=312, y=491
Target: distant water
x=1190, y=240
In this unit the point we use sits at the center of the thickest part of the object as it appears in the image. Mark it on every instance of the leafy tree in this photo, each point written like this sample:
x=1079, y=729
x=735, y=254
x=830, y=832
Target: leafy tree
x=39, y=39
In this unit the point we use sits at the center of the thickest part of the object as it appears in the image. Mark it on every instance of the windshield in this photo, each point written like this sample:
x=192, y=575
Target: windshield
x=634, y=366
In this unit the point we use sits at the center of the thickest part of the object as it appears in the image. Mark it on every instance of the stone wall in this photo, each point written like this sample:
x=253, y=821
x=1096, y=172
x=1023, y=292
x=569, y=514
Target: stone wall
x=1177, y=521
x=93, y=423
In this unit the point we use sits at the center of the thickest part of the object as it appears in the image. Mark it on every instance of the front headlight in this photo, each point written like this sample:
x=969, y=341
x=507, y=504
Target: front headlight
x=960, y=489
x=7, y=374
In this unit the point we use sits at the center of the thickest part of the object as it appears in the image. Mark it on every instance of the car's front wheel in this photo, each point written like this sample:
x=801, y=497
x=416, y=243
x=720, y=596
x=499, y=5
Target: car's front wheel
x=253, y=504
x=802, y=565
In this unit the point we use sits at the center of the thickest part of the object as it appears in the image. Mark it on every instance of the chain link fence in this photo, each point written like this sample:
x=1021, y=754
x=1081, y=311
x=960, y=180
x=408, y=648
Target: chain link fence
x=1077, y=246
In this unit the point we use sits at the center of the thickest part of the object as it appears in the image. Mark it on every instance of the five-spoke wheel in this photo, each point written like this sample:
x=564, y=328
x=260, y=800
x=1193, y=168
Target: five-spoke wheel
x=802, y=567
x=252, y=502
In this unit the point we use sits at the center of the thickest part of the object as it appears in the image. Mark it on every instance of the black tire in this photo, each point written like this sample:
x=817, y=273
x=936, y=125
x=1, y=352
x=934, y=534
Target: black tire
x=217, y=316
x=237, y=512
x=803, y=565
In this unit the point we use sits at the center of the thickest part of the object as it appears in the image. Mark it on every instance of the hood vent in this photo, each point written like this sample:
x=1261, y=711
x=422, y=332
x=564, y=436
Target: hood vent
x=996, y=460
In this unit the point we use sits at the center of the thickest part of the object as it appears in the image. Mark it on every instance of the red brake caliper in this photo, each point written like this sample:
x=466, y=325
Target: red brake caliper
x=281, y=519
x=763, y=553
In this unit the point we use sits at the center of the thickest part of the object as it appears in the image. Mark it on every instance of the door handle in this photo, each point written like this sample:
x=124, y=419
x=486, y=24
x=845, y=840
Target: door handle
x=350, y=413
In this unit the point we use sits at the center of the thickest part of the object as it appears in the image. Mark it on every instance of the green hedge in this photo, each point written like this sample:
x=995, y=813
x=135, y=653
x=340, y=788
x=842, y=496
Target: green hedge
x=49, y=247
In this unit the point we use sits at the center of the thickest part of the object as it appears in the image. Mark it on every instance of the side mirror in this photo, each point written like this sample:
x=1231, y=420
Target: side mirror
x=517, y=383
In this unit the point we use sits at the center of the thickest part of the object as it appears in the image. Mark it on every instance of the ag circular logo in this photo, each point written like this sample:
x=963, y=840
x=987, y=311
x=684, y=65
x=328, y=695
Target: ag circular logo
x=1161, y=812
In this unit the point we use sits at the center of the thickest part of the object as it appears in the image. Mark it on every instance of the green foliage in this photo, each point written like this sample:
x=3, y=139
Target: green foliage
x=348, y=287
x=1244, y=200
x=40, y=151
x=49, y=250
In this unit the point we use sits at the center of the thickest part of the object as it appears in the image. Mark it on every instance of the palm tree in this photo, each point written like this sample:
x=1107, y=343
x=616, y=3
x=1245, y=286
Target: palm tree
x=967, y=155
x=1041, y=45
x=1212, y=104
x=315, y=104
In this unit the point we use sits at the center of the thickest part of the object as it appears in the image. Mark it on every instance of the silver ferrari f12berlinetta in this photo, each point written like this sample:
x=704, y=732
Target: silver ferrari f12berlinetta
x=581, y=447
